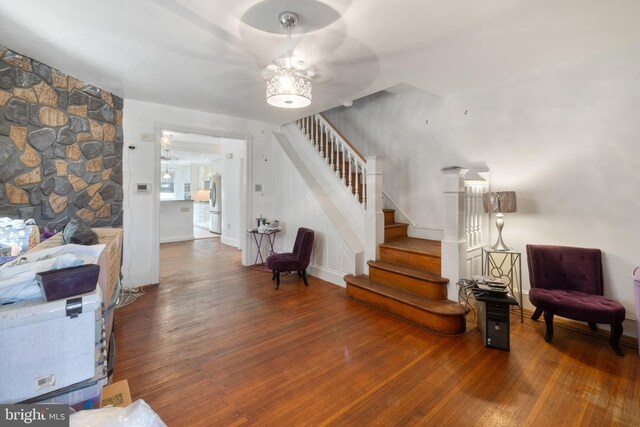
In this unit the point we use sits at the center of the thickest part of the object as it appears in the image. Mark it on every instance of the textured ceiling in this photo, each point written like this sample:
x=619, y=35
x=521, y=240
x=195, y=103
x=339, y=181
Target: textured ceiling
x=209, y=54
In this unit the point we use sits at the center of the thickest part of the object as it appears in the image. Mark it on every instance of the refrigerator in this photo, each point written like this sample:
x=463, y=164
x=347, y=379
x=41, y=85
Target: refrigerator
x=215, y=204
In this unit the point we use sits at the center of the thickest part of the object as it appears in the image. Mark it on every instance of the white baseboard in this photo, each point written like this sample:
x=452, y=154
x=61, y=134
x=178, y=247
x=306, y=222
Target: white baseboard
x=137, y=280
x=176, y=239
x=331, y=276
x=425, y=233
x=229, y=242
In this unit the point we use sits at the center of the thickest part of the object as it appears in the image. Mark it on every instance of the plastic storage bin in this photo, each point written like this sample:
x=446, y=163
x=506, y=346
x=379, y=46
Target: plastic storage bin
x=86, y=396
x=46, y=346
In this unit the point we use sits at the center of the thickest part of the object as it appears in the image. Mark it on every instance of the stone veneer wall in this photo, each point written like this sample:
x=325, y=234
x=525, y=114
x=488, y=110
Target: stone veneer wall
x=60, y=146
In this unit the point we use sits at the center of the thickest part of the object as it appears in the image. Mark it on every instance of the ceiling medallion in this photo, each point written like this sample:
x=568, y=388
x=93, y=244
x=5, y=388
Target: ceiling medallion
x=288, y=86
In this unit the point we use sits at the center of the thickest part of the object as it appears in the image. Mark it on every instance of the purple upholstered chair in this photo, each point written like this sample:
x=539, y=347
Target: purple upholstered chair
x=568, y=282
x=297, y=260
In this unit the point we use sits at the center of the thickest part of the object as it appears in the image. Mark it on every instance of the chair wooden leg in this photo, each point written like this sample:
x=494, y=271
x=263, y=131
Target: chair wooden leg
x=277, y=280
x=304, y=277
x=616, y=333
x=273, y=276
x=548, y=319
x=299, y=273
x=536, y=314
x=592, y=326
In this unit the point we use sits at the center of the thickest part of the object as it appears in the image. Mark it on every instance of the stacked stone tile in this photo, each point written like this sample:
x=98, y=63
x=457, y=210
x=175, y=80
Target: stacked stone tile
x=60, y=146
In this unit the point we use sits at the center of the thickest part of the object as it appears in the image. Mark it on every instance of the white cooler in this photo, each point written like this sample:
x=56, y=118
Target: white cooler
x=45, y=346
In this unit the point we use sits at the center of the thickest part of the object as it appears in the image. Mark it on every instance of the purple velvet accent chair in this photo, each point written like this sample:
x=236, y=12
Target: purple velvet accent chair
x=296, y=260
x=568, y=281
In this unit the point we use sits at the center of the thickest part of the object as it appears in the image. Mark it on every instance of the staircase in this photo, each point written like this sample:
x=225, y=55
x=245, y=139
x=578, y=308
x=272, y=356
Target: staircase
x=406, y=281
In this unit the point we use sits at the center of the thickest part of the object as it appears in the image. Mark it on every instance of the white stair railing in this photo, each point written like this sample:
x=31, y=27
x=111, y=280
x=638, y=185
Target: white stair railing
x=465, y=225
x=475, y=216
x=475, y=225
x=344, y=160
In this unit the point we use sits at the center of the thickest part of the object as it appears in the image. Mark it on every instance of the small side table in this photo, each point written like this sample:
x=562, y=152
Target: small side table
x=505, y=265
x=258, y=236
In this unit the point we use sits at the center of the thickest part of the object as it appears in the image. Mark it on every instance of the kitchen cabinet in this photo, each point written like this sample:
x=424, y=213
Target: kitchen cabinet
x=201, y=215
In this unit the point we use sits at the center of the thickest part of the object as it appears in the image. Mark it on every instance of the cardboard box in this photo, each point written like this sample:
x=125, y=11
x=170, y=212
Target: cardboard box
x=116, y=394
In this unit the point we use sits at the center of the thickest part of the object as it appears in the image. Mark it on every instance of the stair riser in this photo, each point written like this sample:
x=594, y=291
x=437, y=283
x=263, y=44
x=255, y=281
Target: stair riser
x=450, y=325
x=389, y=217
x=426, y=262
x=431, y=290
x=395, y=232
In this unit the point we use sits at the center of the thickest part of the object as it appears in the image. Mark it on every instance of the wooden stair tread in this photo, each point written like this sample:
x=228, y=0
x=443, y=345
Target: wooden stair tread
x=411, y=244
x=439, y=307
x=409, y=271
x=396, y=225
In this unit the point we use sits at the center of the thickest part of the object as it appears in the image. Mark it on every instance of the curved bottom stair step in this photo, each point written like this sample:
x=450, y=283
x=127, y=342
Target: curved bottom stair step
x=444, y=316
x=410, y=279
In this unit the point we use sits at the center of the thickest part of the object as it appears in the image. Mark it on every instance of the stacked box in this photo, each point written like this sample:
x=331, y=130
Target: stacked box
x=46, y=346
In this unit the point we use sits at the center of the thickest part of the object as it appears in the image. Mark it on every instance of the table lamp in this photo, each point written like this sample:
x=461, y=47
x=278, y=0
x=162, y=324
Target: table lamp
x=499, y=203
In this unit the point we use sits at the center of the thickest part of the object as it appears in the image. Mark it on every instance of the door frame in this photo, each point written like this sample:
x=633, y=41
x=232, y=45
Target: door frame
x=246, y=183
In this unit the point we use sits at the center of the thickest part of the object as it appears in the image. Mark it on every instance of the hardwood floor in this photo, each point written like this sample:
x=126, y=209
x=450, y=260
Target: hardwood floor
x=215, y=345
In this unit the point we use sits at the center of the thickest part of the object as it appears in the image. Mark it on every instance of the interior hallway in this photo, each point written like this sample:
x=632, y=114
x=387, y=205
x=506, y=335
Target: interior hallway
x=215, y=345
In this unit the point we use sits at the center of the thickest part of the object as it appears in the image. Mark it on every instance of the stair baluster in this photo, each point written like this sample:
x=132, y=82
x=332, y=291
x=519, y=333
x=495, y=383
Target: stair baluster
x=340, y=159
x=327, y=143
x=334, y=153
x=364, y=187
x=350, y=175
x=344, y=165
x=357, y=174
x=315, y=133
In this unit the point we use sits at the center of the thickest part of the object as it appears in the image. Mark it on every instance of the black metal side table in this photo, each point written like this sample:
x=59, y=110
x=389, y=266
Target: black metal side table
x=505, y=265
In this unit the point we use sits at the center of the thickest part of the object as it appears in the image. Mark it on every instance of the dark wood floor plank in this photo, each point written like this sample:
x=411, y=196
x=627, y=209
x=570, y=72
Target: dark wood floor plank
x=215, y=345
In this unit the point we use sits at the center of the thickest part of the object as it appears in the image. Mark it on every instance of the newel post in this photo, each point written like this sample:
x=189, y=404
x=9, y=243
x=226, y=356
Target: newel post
x=454, y=244
x=374, y=225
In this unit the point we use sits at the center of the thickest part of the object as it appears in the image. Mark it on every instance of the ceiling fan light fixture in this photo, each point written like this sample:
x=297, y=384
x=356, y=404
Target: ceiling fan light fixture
x=287, y=85
x=288, y=89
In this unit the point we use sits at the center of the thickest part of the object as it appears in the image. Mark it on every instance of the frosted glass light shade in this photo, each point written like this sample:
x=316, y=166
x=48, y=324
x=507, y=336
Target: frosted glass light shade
x=288, y=89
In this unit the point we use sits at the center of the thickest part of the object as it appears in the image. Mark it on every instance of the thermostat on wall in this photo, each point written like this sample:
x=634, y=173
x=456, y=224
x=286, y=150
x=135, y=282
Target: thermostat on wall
x=143, y=189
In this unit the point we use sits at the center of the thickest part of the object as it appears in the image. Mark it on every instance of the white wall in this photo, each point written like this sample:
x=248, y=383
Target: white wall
x=231, y=179
x=565, y=138
x=295, y=206
x=140, y=166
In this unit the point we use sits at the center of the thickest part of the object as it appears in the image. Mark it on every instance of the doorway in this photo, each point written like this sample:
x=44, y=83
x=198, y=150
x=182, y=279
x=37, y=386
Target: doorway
x=190, y=163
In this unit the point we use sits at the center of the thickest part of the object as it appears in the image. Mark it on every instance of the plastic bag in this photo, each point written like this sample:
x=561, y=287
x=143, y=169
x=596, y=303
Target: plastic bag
x=18, y=277
x=79, y=232
x=138, y=414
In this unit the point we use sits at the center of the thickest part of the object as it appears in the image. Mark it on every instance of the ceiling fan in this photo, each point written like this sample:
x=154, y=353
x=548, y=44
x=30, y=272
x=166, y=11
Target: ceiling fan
x=261, y=51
